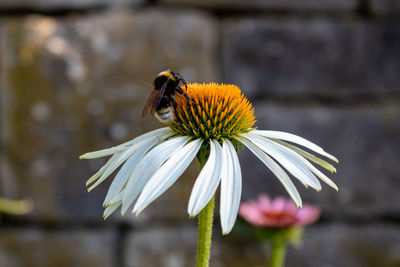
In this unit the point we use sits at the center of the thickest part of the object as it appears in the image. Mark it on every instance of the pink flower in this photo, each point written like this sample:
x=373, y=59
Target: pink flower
x=280, y=212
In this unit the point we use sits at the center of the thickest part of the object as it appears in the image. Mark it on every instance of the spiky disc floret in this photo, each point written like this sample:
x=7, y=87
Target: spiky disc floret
x=218, y=111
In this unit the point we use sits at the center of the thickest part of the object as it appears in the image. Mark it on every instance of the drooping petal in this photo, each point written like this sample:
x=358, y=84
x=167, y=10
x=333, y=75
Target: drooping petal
x=321, y=176
x=161, y=133
x=102, y=170
x=226, y=186
x=295, y=139
x=113, y=200
x=311, y=167
x=147, y=166
x=122, y=157
x=126, y=170
x=287, y=159
x=102, y=153
x=231, y=187
x=309, y=156
x=167, y=174
x=275, y=168
x=110, y=209
x=166, y=131
x=208, y=180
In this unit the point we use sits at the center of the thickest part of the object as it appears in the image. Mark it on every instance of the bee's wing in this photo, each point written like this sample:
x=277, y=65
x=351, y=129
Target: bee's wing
x=154, y=100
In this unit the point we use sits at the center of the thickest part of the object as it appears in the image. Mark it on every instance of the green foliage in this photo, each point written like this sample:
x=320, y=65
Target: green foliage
x=17, y=207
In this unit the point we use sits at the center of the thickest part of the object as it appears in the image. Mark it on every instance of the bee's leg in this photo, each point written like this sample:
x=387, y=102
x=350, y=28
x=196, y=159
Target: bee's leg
x=179, y=90
x=183, y=80
x=175, y=110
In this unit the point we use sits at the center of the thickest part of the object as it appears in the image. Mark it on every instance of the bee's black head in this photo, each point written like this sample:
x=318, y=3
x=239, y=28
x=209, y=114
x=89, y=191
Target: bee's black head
x=167, y=76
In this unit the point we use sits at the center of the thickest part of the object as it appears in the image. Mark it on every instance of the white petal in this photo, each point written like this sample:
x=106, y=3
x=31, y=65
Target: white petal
x=110, y=209
x=312, y=168
x=102, y=153
x=231, y=187
x=124, y=156
x=147, y=166
x=308, y=155
x=275, y=168
x=115, y=199
x=208, y=180
x=295, y=139
x=126, y=170
x=322, y=176
x=102, y=170
x=287, y=159
x=163, y=132
x=167, y=174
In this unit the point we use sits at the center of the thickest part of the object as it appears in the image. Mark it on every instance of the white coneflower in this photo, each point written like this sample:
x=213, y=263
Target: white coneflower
x=213, y=128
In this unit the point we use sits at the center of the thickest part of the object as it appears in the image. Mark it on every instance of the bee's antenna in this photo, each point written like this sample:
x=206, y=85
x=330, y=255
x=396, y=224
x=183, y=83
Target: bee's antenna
x=183, y=80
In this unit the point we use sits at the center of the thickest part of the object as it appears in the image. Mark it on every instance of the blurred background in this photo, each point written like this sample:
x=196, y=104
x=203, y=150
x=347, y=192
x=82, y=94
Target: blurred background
x=74, y=77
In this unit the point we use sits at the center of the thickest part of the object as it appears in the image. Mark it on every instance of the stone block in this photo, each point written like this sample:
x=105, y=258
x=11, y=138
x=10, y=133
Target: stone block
x=77, y=84
x=385, y=7
x=43, y=248
x=323, y=245
x=49, y=5
x=161, y=246
x=318, y=57
x=365, y=140
x=176, y=247
x=348, y=246
x=269, y=4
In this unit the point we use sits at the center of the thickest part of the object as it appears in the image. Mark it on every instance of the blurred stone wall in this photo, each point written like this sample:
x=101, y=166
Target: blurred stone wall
x=75, y=75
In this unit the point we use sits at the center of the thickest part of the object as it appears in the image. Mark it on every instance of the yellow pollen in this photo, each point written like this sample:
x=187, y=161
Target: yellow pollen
x=217, y=111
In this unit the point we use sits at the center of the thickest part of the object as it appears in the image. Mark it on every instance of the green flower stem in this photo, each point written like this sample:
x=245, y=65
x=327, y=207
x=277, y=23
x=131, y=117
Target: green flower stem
x=278, y=253
x=205, y=221
x=204, y=234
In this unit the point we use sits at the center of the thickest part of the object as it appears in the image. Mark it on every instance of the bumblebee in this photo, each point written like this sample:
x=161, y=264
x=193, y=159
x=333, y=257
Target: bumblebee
x=162, y=101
